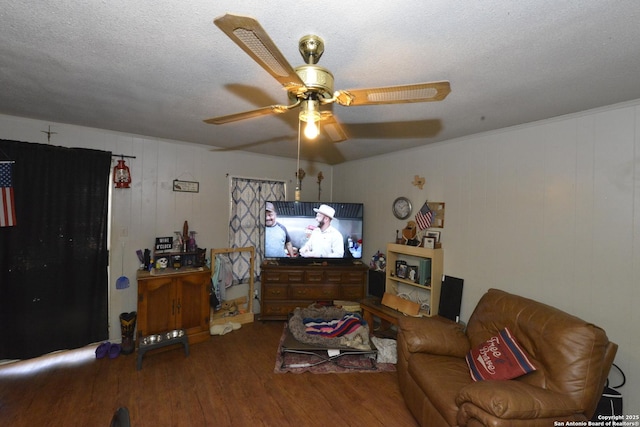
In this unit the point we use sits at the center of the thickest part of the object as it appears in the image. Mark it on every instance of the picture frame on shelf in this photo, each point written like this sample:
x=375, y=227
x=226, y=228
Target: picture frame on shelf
x=401, y=269
x=429, y=242
x=412, y=273
x=435, y=234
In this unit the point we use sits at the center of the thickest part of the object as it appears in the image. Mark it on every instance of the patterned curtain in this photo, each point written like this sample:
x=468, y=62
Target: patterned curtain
x=246, y=227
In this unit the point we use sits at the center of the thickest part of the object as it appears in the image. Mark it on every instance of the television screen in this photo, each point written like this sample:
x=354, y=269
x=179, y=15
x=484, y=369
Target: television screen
x=301, y=231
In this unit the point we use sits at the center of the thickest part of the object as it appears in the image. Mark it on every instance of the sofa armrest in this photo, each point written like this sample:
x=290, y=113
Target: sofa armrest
x=514, y=400
x=433, y=335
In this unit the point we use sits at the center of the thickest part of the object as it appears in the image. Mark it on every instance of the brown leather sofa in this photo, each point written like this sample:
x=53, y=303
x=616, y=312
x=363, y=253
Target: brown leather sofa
x=572, y=358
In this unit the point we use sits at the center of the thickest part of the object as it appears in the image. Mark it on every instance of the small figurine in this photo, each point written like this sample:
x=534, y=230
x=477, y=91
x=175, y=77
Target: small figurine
x=409, y=234
x=185, y=236
x=399, y=240
x=418, y=181
x=378, y=262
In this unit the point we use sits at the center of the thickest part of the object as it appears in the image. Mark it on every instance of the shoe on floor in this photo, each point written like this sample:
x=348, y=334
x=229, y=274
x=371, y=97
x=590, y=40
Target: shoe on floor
x=221, y=329
x=235, y=326
x=103, y=349
x=216, y=329
x=114, y=351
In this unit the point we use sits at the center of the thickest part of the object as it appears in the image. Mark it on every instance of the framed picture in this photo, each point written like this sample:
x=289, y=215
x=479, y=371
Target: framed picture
x=412, y=273
x=429, y=242
x=186, y=186
x=401, y=269
x=435, y=234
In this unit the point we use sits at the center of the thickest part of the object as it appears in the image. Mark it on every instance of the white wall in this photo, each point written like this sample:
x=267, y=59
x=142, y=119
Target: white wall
x=549, y=210
x=150, y=208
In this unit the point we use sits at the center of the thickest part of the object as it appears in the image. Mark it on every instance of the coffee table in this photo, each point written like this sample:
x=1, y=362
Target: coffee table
x=321, y=354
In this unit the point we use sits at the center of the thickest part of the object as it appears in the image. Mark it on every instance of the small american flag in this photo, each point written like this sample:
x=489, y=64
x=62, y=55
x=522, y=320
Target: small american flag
x=424, y=217
x=7, y=204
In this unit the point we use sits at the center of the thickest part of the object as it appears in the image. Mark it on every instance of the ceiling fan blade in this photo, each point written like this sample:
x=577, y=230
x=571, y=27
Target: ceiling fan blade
x=264, y=111
x=419, y=92
x=332, y=127
x=247, y=33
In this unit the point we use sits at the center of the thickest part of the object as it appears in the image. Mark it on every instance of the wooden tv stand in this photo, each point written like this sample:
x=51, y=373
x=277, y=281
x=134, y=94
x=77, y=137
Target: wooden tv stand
x=285, y=287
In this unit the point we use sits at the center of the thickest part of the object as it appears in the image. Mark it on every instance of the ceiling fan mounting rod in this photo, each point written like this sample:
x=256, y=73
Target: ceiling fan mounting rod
x=311, y=48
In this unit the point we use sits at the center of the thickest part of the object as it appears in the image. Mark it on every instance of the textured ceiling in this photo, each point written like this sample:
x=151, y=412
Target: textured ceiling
x=158, y=68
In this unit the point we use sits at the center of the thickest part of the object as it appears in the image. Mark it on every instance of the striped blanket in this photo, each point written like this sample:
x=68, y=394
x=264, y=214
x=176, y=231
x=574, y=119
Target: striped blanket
x=330, y=327
x=335, y=327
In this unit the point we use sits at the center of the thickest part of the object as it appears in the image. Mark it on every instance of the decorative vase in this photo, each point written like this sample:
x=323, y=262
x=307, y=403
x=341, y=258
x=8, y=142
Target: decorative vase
x=128, y=327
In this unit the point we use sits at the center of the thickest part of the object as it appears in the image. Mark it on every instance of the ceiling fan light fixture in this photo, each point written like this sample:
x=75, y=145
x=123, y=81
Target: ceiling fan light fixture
x=310, y=114
x=312, y=130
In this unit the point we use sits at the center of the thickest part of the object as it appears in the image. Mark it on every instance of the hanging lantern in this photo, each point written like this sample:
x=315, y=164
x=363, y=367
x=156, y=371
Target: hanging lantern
x=121, y=174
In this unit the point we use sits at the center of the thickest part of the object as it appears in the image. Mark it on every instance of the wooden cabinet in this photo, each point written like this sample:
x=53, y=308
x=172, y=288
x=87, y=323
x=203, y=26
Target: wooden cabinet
x=285, y=287
x=174, y=300
x=430, y=291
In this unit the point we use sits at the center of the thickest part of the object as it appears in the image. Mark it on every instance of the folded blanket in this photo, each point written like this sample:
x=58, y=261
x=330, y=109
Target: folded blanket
x=342, y=329
x=349, y=323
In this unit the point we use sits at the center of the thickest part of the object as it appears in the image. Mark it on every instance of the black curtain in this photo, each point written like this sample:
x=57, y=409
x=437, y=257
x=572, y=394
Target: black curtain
x=53, y=263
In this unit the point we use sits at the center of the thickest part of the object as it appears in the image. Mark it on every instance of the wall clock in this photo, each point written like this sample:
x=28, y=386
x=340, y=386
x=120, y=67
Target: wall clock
x=402, y=208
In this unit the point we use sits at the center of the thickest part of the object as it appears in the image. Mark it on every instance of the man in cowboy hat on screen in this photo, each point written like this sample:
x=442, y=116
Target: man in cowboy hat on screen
x=325, y=240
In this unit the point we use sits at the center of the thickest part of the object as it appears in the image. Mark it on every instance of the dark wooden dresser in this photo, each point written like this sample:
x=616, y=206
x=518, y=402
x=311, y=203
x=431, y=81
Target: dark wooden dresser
x=285, y=287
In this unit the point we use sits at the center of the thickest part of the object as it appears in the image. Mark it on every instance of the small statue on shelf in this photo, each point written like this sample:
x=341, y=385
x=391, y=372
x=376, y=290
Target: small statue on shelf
x=185, y=236
x=378, y=262
x=191, y=243
x=409, y=234
x=178, y=243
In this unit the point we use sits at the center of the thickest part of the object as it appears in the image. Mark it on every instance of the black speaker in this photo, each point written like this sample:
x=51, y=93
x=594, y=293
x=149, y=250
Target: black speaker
x=450, y=298
x=376, y=283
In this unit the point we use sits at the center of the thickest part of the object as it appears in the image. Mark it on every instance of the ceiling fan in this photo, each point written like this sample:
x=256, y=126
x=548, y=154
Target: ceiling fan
x=310, y=86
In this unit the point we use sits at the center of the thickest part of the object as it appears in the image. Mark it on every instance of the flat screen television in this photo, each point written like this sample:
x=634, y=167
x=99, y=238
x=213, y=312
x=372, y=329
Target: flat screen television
x=338, y=241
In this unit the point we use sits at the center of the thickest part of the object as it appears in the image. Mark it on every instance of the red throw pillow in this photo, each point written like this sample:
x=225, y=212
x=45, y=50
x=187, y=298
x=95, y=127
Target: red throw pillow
x=499, y=358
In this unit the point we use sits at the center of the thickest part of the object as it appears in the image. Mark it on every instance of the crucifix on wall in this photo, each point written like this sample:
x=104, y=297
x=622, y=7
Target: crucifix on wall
x=49, y=133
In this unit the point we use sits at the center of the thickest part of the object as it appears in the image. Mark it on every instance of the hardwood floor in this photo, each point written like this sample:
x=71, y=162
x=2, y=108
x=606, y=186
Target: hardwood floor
x=226, y=381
